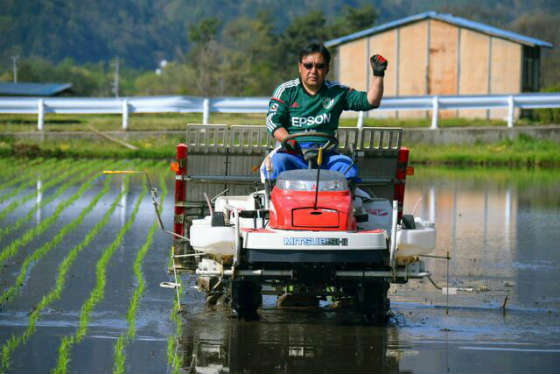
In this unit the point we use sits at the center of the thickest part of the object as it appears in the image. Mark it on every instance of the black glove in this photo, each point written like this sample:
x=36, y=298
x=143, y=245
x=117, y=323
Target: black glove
x=292, y=147
x=378, y=65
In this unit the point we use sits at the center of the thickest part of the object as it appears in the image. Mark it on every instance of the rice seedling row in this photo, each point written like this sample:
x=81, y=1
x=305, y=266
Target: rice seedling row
x=12, y=165
x=12, y=248
x=56, y=180
x=125, y=338
x=64, y=267
x=96, y=295
x=18, y=173
x=31, y=182
x=46, y=247
x=57, y=193
x=26, y=177
x=18, y=338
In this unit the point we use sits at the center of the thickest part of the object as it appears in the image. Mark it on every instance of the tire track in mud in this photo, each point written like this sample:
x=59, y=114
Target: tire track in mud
x=15, y=340
x=125, y=338
x=174, y=359
x=97, y=294
x=28, y=184
x=46, y=248
x=61, y=189
x=12, y=249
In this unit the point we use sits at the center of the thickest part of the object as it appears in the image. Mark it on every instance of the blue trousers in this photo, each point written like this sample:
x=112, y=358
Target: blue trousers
x=282, y=161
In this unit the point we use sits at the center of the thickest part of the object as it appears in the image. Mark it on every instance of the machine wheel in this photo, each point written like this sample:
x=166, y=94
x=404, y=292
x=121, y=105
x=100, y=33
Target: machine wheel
x=246, y=298
x=372, y=302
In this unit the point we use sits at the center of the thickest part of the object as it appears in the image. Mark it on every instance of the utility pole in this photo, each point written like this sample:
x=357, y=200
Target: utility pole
x=116, y=80
x=14, y=67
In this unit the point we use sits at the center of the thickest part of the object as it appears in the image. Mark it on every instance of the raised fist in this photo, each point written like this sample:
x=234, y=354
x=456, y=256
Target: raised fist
x=378, y=65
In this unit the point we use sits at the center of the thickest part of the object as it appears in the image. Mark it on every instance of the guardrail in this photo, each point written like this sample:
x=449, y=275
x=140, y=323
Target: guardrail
x=184, y=104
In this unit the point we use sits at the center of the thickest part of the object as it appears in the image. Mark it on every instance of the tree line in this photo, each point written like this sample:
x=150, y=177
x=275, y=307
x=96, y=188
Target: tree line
x=247, y=55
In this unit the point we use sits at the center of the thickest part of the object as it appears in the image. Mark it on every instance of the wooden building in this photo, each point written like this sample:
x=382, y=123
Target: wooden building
x=439, y=54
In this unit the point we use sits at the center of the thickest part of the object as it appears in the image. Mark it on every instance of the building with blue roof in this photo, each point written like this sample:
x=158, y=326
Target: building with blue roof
x=440, y=54
x=34, y=89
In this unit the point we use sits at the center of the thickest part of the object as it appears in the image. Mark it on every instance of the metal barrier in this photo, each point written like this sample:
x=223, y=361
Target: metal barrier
x=184, y=104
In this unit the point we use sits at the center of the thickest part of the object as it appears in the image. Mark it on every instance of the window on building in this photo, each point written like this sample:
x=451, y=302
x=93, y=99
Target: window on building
x=531, y=69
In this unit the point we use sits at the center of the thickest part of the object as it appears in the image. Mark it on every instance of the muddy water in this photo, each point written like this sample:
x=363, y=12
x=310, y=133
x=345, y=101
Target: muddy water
x=500, y=228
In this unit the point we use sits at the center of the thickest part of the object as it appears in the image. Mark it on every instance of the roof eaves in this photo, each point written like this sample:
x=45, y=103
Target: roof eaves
x=462, y=22
x=491, y=30
x=377, y=29
x=33, y=89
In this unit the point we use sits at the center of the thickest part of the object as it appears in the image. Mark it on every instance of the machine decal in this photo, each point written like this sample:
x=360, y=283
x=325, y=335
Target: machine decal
x=296, y=241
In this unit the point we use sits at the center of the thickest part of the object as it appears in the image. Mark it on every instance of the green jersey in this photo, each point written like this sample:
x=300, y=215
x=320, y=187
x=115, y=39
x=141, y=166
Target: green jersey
x=294, y=109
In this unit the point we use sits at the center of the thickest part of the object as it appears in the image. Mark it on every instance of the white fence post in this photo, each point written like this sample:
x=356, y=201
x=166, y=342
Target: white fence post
x=511, y=111
x=360, y=126
x=180, y=104
x=205, y=111
x=360, y=123
x=125, y=114
x=40, y=114
x=435, y=112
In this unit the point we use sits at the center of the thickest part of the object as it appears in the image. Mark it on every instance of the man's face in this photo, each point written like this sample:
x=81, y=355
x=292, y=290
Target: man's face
x=313, y=69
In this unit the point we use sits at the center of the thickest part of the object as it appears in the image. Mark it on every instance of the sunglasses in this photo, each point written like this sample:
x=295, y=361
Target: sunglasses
x=319, y=66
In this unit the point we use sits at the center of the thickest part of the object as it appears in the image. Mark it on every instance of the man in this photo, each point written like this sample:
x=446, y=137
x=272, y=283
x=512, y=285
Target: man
x=312, y=103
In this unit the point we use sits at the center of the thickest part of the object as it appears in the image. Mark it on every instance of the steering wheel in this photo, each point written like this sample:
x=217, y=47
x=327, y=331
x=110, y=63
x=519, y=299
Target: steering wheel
x=309, y=154
x=331, y=142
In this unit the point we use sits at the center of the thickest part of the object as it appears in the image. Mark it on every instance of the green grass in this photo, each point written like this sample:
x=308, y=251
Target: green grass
x=113, y=122
x=72, y=147
x=177, y=121
x=516, y=153
x=522, y=152
x=96, y=295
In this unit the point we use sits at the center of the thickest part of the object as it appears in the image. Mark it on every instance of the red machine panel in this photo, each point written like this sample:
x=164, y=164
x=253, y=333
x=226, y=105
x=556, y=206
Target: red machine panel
x=295, y=210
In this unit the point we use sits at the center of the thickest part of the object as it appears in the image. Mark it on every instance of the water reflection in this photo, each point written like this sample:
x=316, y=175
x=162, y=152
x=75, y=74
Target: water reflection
x=123, y=202
x=39, y=199
x=498, y=226
x=288, y=342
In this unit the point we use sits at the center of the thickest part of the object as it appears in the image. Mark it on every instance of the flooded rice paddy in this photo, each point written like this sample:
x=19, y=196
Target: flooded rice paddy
x=81, y=262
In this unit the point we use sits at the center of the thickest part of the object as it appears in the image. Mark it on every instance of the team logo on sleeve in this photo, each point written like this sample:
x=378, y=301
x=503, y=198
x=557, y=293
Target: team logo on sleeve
x=327, y=102
x=274, y=107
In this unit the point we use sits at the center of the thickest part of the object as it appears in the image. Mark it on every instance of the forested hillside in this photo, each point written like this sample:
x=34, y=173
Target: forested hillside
x=214, y=47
